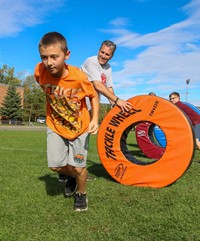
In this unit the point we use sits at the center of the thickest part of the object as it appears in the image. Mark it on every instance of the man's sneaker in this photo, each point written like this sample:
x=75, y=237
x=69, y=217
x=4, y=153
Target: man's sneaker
x=62, y=177
x=91, y=178
x=70, y=186
x=80, y=202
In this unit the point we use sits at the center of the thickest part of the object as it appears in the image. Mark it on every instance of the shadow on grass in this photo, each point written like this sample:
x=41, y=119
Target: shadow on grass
x=136, y=152
x=52, y=185
x=98, y=170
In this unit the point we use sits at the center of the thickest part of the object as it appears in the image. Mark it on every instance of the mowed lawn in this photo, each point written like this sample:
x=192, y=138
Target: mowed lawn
x=33, y=207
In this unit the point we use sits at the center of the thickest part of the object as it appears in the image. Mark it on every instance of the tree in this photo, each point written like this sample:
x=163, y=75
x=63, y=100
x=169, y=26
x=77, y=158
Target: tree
x=11, y=106
x=34, y=99
x=7, y=76
x=104, y=109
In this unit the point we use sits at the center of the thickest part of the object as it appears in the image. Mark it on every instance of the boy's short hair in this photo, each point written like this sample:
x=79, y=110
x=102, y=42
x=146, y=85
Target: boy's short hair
x=54, y=38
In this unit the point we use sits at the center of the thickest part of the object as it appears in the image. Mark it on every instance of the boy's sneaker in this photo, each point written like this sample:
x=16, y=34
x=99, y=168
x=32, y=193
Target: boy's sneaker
x=70, y=186
x=80, y=202
x=62, y=177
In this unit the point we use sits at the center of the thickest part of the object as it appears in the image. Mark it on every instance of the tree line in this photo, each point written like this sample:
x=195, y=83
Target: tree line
x=34, y=98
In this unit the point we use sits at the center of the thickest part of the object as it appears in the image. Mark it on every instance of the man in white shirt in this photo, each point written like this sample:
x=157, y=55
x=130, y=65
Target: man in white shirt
x=99, y=72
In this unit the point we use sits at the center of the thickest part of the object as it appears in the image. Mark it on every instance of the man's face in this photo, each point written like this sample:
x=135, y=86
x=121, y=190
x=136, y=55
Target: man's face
x=53, y=59
x=174, y=99
x=104, y=55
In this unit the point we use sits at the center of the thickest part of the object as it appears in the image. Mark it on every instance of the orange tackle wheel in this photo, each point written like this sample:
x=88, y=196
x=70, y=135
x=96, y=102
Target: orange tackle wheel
x=179, y=150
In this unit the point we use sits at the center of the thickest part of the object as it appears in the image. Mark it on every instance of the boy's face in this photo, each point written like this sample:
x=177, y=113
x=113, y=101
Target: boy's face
x=53, y=59
x=104, y=54
x=174, y=99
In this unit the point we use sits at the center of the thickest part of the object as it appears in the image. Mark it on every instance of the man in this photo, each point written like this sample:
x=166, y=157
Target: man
x=99, y=73
x=194, y=117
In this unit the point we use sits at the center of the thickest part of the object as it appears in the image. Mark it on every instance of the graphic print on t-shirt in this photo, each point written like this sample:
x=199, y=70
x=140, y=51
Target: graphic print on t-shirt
x=103, y=78
x=66, y=108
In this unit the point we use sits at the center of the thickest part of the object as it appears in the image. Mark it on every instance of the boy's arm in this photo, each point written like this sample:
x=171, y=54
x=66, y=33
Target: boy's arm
x=93, y=126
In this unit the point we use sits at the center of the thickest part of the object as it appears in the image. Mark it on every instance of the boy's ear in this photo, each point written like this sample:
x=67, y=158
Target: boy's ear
x=67, y=55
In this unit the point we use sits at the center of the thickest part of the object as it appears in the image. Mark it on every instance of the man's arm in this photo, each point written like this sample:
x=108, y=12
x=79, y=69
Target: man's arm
x=109, y=93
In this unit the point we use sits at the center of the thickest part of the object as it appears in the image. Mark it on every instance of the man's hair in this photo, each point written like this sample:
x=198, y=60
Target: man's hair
x=54, y=38
x=174, y=93
x=109, y=44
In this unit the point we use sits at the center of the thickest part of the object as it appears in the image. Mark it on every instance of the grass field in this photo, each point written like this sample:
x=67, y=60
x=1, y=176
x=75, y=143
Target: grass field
x=33, y=207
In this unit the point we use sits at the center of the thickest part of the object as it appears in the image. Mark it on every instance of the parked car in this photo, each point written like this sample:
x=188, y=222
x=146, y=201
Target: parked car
x=41, y=120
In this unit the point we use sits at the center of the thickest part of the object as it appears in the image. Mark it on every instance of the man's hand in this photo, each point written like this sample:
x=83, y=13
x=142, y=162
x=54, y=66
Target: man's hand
x=124, y=105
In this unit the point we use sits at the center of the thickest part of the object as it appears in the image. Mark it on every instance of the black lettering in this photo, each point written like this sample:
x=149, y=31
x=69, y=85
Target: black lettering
x=154, y=108
x=108, y=144
x=110, y=130
x=133, y=111
x=110, y=153
x=119, y=117
x=114, y=122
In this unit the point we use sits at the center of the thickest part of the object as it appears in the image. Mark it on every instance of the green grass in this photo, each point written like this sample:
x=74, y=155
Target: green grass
x=33, y=207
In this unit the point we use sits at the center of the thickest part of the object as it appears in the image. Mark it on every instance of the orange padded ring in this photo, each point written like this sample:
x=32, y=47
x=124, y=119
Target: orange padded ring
x=179, y=151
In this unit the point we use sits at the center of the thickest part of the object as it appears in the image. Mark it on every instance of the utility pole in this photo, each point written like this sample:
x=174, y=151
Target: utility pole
x=187, y=83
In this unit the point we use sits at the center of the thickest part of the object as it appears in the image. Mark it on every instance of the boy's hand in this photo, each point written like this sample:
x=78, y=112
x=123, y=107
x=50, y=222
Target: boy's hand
x=93, y=128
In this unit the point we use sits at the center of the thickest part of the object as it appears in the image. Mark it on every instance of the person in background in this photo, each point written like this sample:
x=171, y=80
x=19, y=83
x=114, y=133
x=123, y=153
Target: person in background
x=152, y=94
x=194, y=117
x=67, y=117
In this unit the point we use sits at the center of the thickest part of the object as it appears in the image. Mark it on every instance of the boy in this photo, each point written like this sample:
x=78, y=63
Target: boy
x=194, y=117
x=67, y=118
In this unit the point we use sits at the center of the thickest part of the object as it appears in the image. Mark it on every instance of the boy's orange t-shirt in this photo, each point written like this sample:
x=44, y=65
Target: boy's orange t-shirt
x=66, y=109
